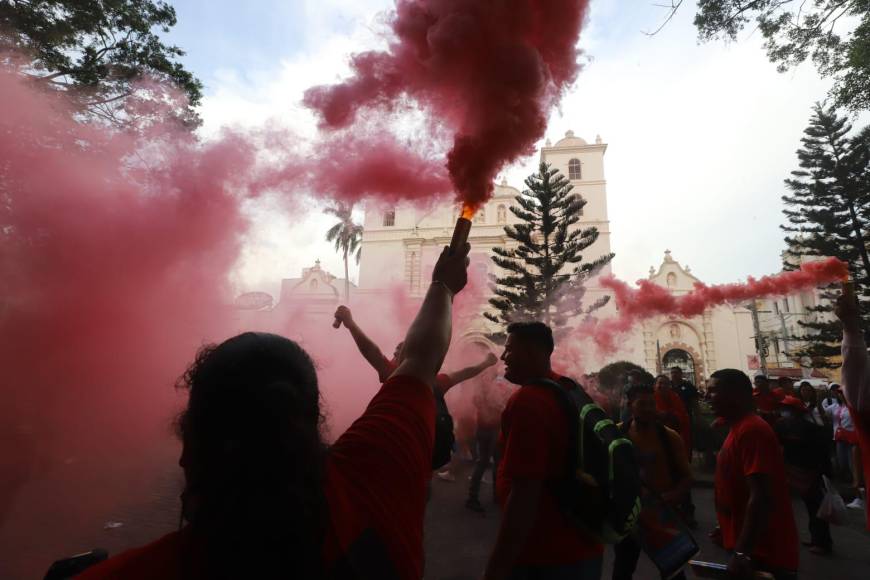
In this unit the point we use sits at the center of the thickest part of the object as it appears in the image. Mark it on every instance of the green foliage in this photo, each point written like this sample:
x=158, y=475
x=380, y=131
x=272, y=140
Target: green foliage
x=833, y=34
x=827, y=212
x=545, y=271
x=347, y=236
x=103, y=53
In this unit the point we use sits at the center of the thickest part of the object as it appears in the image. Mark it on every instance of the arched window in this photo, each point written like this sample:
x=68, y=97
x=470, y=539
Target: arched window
x=390, y=218
x=502, y=214
x=313, y=284
x=480, y=216
x=574, y=169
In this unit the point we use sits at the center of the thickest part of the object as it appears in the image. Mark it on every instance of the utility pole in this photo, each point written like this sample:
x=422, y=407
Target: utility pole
x=760, y=347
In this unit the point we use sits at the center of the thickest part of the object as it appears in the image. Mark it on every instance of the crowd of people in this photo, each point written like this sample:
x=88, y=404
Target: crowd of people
x=266, y=497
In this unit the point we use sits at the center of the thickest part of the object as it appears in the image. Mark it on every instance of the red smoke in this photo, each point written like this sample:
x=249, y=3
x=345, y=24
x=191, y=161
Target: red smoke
x=650, y=300
x=487, y=71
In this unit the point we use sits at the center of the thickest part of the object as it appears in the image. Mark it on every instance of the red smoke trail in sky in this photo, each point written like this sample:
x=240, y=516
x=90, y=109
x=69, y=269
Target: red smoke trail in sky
x=488, y=72
x=650, y=300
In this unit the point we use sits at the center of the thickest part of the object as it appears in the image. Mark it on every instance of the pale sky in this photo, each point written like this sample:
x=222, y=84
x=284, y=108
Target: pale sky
x=700, y=136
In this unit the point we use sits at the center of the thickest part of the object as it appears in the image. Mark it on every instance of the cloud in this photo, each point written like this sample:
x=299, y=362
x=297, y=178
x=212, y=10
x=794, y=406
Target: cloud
x=700, y=137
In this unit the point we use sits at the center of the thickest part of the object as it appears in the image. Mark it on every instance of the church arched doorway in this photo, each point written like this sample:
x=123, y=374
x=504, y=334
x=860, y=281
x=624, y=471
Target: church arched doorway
x=677, y=357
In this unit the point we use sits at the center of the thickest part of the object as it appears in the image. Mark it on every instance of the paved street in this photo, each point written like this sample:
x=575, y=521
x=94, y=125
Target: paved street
x=457, y=541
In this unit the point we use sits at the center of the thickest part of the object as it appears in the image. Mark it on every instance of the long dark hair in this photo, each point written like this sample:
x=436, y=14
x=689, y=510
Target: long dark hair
x=253, y=459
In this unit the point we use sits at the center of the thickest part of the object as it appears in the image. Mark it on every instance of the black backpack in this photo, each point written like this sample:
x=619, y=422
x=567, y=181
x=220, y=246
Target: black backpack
x=444, y=438
x=600, y=492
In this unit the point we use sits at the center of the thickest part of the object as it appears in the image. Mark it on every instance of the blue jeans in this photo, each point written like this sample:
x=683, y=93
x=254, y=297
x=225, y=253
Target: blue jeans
x=584, y=570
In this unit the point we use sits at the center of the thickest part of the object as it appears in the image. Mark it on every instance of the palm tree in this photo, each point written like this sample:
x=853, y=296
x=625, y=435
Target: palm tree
x=347, y=236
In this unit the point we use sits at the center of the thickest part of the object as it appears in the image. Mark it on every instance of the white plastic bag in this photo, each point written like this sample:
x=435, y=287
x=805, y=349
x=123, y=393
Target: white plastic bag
x=833, y=508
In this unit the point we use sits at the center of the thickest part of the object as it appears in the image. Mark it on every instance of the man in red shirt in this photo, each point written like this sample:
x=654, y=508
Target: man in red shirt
x=856, y=379
x=263, y=496
x=766, y=401
x=535, y=539
x=785, y=387
x=752, y=505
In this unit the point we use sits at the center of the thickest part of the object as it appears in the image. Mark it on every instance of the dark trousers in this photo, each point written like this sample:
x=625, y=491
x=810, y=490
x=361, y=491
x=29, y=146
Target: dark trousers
x=820, y=530
x=626, y=554
x=485, y=440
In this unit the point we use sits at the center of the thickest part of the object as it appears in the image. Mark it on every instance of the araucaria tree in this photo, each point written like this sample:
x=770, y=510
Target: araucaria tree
x=545, y=269
x=827, y=211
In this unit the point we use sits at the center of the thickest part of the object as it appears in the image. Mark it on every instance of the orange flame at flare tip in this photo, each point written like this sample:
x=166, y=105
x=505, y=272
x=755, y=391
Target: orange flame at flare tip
x=468, y=211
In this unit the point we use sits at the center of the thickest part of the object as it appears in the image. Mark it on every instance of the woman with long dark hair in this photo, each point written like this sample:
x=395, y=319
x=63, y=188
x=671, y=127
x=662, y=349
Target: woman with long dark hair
x=263, y=496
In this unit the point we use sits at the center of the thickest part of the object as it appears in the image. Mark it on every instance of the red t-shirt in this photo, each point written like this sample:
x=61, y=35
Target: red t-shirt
x=442, y=381
x=376, y=477
x=668, y=402
x=752, y=447
x=534, y=442
x=862, y=429
x=767, y=402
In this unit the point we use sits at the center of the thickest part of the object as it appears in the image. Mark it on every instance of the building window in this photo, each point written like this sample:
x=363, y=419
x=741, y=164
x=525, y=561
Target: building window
x=785, y=305
x=502, y=214
x=776, y=307
x=480, y=216
x=390, y=218
x=574, y=169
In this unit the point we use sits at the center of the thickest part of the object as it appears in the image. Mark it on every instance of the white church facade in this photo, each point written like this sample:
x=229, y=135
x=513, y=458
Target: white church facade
x=401, y=244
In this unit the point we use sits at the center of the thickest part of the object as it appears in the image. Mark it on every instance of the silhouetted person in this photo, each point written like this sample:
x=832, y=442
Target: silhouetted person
x=807, y=456
x=490, y=396
x=856, y=387
x=536, y=540
x=753, y=505
x=263, y=496
x=663, y=463
x=766, y=401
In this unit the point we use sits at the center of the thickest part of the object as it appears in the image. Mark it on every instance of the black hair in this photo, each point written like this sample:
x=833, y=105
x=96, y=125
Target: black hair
x=637, y=390
x=672, y=369
x=537, y=333
x=735, y=380
x=254, y=458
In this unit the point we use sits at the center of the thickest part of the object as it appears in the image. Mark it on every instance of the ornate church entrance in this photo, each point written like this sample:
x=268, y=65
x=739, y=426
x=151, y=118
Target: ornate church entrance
x=677, y=357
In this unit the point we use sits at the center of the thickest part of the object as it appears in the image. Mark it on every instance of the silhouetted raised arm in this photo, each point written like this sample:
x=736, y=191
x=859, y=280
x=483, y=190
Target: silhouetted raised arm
x=366, y=346
x=429, y=335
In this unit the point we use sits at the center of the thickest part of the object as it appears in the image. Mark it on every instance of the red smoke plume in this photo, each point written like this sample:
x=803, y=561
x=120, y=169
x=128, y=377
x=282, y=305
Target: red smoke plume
x=649, y=299
x=487, y=71
x=115, y=256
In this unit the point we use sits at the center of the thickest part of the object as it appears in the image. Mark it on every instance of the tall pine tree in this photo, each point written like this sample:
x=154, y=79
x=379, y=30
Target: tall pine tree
x=545, y=271
x=827, y=213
